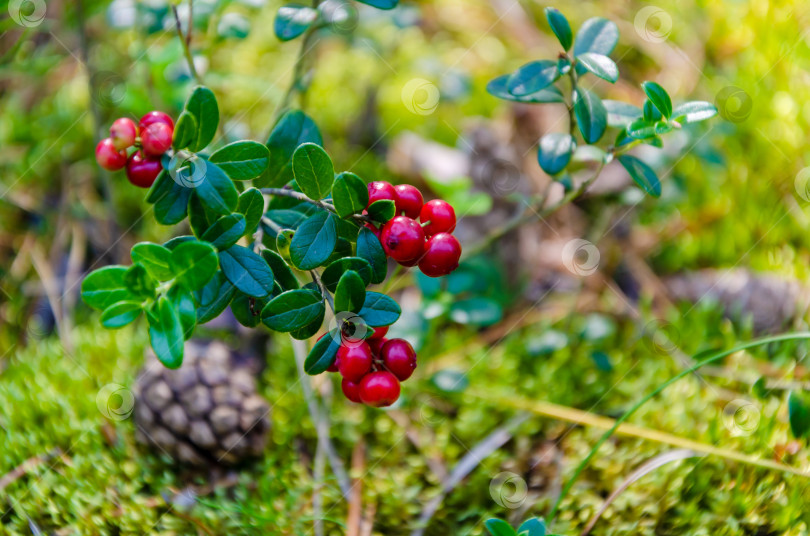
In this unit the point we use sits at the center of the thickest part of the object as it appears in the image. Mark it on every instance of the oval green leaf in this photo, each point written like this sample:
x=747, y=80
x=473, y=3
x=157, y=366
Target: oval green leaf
x=166, y=333
x=202, y=104
x=120, y=314
x=247, y=271
x=322, y=354
x=251, y=206
x=621, y=114
x=659, y=97
x=591, y=115
x=194, y=263
x=155, y=258
x=642, y=174
x=314, y=241
x=555, y=152
x=351, y=292
x=600, y=65
x=213, y=298
x=313, y=170
x=105, y=286
x=498, y=87
x=293, y=20
x=242, y=160
x=370, y=249
x=379, y=310
x=532, y=77
x=350, y=194
x=560, y=27
x=596, y=35
x=226, y=231
x=293, y=310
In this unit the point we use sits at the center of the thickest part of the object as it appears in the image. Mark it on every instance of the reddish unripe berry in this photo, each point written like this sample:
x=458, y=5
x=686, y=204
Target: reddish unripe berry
x=440, y=215
x=409, y=200
x=376, y=345
x=442, y=253
x=123, y=133
x=378, y=190
x=109, y=157
x=354, y=361
x=379, y=332
x=142, y=171
x=156, y=138
x=403, y=239
x=399, y=358
x=155, y=117
x=351, y=390
x=379, y=389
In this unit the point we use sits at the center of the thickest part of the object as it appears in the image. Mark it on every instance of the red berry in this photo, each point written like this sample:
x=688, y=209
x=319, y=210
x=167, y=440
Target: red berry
x=351, y=390
x=379, y=332
x=155, y=117
x=441, y=255
x=380, y=190
x=142, y=171
x=354, y=361
x=123, y=133
x=376, y=345
x=441, y=216
x=403, y=239
x=156, y=138
x=379, y=389
x=409, y=200
x=374, y=229
x=109, y=157
x=399, y=358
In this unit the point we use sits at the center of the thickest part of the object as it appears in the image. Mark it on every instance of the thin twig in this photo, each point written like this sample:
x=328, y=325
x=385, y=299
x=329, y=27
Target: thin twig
x=186, y=42
x=286, y=192
x=326, y=294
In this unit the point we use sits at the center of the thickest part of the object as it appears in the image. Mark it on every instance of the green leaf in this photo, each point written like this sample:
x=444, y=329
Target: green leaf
x=555, y=152
x=332, y=273
x=292, y=129
x=247, y=309
x=641, y=129
x=139, y=282
x=532, y=527
x=692, y=112
x=242, y=160
x=202, y=104
x=379, y=310
x=251, y=206
x=651, y=113
x=183, y=302
x=105, y=286
x=184, y=131
x=194, y=264
x=596, y=35
x=591, y=115
x=799, y=414
x=283, y=274
x=600, y=65
x=213, y=298
x=350, y=194
x=642, y=174
x=226, y=231
x=499, y=527
x=293, y=20
x=351, y=292
x=313, y=170
x=380, y=4
x=166, y=333
x=200, y=218
x=247, y=271
x=560, y=27
x=532, y=77
x=370, y=249
x=120, y=314
x=293, y=310
x=169, y=198
x=382, y=210
x=621, y=114
x=314, y=241
x=322, y=354
x=311, y=329
x=155, y=258
x=172, y=244
x=498, y=87
x=217, y=192
x=659, y=97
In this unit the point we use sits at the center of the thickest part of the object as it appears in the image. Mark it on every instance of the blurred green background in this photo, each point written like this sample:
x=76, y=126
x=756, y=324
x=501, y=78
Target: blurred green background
x=734, y=196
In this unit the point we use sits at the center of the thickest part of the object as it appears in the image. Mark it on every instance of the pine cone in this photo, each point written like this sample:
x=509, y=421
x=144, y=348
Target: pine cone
x=206, y=412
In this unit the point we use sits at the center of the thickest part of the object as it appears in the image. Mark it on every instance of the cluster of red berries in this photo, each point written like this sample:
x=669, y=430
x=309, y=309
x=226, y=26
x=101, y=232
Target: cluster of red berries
x=151, y=137
x=372, y=368
x=430, y=245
